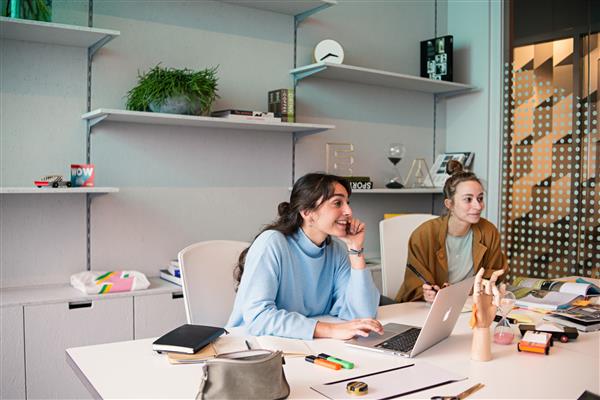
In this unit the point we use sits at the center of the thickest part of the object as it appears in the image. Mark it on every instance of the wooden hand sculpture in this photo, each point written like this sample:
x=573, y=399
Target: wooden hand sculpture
x=486, y=299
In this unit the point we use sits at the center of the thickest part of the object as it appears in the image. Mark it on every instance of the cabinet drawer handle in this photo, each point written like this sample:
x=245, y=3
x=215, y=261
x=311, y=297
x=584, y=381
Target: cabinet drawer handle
x=79, y=304
x=177, y=295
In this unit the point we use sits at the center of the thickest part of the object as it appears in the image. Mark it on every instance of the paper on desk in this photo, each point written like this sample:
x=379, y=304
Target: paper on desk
x=396, y=382
x=206, y=353
x=520, y=318
x=289, y=347
x=230, y=343
x=224, y=344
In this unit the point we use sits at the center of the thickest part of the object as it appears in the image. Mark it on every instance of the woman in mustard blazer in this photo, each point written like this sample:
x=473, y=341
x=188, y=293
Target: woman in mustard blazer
x=453, y=247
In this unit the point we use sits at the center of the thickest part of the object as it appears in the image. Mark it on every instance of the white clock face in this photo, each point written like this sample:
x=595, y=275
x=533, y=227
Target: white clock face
x=329, y=51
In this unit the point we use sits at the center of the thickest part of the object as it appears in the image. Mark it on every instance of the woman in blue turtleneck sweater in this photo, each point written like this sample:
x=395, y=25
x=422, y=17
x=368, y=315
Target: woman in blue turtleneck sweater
x=296, y=269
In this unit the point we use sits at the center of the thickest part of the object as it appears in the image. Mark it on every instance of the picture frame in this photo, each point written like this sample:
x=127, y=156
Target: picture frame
x=438, y=170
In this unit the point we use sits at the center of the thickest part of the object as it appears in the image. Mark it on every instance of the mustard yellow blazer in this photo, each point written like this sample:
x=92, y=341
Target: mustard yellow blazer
x=427, y=253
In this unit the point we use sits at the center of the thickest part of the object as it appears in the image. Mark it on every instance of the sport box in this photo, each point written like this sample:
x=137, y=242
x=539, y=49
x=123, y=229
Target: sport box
x=82, y=175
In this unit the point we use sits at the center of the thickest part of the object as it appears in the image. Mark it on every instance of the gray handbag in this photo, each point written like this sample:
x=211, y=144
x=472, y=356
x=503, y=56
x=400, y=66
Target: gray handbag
x=250, y=374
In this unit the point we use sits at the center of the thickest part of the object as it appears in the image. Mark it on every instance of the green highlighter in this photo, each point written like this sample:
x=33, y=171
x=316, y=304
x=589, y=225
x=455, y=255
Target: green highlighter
x=345, y=364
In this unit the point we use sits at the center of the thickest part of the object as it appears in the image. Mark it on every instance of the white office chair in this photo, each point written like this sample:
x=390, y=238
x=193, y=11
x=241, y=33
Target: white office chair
x=207, y=275
x=393, y=238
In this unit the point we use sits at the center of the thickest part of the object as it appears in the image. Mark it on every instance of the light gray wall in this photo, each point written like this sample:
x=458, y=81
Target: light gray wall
x=473, y=122
x=377, y=35
x=43, y=92
x=182, y=185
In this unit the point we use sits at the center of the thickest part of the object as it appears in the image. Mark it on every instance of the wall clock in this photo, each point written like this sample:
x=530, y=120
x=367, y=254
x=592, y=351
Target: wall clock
x=329, y=50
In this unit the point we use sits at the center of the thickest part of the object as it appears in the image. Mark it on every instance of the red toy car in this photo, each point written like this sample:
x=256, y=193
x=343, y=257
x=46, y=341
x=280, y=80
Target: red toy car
x=54, y=181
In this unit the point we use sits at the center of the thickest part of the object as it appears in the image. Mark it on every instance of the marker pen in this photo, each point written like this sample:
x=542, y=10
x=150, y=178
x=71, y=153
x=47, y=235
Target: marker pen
x=421, y=277
x=322, y=362
x=345, y=364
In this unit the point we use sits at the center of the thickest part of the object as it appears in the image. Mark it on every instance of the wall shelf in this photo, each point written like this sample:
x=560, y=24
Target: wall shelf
x=286, y=7
x=51, y=33
x=100, y=115
x=399, y=191
x=77, y=190
x=350, y=73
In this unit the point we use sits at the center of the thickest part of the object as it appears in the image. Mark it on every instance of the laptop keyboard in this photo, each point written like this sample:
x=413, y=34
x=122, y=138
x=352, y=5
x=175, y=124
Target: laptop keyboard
x=403, y=342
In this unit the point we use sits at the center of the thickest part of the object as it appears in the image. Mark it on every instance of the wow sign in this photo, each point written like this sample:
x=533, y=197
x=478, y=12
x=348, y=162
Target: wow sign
x=82, y=175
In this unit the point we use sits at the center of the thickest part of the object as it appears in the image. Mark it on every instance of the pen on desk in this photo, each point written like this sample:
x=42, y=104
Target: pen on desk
x=248, y=345
x=322, y=362
x=345, y=364
x=420, y=276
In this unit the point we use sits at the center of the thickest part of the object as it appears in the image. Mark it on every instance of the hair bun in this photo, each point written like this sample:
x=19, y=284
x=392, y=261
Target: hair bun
x=283, y=208
x=454, y=167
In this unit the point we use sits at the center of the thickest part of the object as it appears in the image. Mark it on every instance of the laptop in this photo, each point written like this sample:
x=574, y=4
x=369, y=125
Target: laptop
x=407, y=340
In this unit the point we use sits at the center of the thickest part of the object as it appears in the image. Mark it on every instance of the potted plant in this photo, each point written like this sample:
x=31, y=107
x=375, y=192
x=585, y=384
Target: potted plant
x=174, y=91
x=38, y=10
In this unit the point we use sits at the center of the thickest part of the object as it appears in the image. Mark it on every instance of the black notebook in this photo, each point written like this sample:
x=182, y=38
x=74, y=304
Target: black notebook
x=187, y=339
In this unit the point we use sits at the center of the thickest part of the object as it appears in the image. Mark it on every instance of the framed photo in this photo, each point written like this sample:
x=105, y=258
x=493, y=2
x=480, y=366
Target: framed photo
x=438, y=170
x=436, y=58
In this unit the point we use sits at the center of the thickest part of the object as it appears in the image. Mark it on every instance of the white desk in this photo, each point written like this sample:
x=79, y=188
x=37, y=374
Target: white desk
x=132, y=370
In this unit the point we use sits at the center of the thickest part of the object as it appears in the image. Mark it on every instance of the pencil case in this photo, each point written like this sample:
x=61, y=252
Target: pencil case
x=102, y=282
x=249, y=374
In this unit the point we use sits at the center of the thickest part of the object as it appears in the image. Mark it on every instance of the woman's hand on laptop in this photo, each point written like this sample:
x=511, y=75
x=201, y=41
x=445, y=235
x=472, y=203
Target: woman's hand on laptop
x=347, y=330
x=430, y=291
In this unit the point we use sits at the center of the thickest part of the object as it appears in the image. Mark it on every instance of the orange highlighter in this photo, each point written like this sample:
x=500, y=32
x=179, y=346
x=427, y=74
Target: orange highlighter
x=322, y=362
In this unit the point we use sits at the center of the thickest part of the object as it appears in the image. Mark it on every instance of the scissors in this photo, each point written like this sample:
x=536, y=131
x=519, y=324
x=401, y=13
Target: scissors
x=462, y=395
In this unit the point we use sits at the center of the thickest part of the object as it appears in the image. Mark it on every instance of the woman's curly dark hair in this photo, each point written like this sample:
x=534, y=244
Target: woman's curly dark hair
x=308, y=193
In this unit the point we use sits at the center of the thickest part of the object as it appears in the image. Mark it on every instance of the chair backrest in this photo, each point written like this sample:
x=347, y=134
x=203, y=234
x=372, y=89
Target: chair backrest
x=393, y=238
x=207, y=275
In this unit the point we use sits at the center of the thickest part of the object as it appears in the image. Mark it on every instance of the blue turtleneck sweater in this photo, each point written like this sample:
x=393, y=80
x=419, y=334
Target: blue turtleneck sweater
x=288, y=280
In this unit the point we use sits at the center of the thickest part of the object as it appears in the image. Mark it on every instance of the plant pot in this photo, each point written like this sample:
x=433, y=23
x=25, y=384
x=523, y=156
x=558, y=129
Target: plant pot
x=178, y=105
x=37, y=10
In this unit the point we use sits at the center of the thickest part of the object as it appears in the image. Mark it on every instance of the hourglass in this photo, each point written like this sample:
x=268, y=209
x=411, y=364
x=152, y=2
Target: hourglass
x=395, y=153
x=503, y=333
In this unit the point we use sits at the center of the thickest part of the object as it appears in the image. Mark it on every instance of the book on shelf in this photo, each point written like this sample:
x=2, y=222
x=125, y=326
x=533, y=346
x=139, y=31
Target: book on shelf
x=243, y=114
x=269, y=118
x=438, y=170
x=230, y=111
x=187, y=338
x=229, y=343
x=167, y=276
x=281, y=103
x=550, y=294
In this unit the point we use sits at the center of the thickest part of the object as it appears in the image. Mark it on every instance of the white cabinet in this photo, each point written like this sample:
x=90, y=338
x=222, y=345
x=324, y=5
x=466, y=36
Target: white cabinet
x=12, y=369
x=157, y=314
x=52, y=328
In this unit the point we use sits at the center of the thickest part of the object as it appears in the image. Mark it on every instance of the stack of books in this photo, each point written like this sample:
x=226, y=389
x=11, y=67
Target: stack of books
x=281, y=103
x=172, y=273
x=246, y=115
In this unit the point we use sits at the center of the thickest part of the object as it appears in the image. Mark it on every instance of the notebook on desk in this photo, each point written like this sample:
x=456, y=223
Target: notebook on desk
x=187, y=338
x=408, y=341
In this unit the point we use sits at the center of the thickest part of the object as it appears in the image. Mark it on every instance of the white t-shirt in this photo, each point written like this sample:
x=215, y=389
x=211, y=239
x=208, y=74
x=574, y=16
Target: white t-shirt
x=460, y=256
